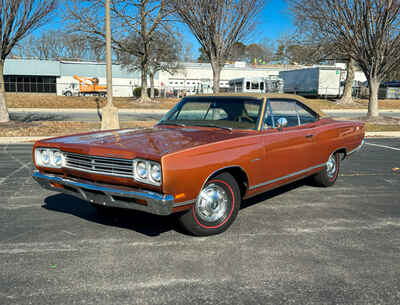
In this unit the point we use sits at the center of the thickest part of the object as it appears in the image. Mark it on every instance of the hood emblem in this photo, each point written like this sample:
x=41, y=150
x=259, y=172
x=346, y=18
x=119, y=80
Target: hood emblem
x=112, y=155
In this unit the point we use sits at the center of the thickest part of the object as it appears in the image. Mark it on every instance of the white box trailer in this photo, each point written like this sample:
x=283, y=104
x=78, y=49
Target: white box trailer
x=314, y=82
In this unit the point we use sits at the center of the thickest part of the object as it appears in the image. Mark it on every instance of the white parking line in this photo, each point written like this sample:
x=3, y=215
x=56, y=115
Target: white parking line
x=383, y=146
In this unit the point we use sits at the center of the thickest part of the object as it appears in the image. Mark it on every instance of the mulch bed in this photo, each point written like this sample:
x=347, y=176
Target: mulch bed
x=56, y=128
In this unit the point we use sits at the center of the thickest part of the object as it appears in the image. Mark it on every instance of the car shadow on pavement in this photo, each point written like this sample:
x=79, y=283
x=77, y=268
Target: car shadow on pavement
x=144, y=223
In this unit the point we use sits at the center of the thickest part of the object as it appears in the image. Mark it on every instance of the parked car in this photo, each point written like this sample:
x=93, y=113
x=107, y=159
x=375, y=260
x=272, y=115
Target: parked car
x=203, y=158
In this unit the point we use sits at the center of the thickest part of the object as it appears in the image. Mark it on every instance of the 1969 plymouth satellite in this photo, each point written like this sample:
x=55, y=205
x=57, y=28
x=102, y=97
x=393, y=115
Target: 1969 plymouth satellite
x=202, y=159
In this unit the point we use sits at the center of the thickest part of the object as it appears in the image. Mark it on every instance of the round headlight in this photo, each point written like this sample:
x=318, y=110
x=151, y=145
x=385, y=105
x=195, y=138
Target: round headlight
x=57, y=158
x=155, y=172
x=45, y=156
x=141, y=169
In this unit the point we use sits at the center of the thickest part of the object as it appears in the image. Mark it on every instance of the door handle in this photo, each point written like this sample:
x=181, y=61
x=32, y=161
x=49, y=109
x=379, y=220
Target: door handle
x=309, y=136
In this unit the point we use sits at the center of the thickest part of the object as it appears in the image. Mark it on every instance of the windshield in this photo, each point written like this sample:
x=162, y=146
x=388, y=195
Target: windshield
x=218, y=112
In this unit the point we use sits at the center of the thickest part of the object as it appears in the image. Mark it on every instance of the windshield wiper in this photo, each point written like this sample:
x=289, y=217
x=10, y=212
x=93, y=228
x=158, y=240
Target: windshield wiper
x=214, y=126
x=171, y=123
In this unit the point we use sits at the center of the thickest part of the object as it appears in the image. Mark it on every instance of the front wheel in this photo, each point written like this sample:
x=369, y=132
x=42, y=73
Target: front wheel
x=215, y=209
x=328, y=176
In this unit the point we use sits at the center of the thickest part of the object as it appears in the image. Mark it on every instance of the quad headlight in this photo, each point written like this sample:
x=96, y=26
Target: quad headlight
x=147, y=171
x=49, y=157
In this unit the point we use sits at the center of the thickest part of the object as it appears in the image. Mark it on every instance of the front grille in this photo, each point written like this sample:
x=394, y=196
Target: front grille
x=99, y=165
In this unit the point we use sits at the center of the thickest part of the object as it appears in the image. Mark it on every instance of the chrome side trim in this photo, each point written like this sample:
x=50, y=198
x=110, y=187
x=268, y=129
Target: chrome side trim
x=356, y=149
x=112, y=196
x=287, y=176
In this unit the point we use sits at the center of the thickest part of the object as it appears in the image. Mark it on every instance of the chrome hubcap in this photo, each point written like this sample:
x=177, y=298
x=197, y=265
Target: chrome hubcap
x=212, y=203
x=331, y=167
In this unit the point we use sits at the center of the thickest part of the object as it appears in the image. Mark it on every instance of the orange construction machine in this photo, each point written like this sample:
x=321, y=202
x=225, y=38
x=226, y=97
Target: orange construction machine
x=87, y=86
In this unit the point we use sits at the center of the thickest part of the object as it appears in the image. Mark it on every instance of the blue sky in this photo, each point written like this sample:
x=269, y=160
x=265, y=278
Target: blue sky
x=274, y=22
x=275, y=19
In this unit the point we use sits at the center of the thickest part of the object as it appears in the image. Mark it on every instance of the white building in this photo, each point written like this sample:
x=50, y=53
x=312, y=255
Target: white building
x=44, y=76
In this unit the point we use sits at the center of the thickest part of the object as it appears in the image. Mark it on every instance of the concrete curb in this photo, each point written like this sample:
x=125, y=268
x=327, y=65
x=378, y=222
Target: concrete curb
x=20, y=140
x=357, y=110
x=28, y=140
x=60, y=110
x=385, y=134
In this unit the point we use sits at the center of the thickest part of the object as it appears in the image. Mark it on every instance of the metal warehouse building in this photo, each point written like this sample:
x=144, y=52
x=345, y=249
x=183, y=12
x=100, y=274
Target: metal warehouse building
x=55, y=77
x=45, y=76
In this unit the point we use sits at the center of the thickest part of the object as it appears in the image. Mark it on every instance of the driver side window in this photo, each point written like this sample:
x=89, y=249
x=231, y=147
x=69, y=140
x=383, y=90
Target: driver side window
x=277, y=109
x=293, y=112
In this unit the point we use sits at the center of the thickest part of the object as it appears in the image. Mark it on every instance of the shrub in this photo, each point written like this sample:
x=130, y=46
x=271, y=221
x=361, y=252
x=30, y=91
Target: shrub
x=137, y=92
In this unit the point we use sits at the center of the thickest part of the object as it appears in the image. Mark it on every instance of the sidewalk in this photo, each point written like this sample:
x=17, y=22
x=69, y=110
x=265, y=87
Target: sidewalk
x=357, y=110
x=85, y=110
x=140, y=110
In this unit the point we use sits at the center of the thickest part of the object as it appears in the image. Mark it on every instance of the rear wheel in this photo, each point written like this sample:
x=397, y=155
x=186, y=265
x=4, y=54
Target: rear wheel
x=328, y=176
x=215, y=209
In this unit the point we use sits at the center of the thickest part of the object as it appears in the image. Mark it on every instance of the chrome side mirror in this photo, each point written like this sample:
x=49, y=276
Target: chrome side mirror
x=281, y=122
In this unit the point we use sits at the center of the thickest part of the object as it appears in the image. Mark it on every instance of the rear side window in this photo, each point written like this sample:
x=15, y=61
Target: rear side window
x=305, y=116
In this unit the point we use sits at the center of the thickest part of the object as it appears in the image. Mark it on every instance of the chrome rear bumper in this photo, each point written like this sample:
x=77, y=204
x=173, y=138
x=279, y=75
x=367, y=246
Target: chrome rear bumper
x=356, y=149
x=112, y=196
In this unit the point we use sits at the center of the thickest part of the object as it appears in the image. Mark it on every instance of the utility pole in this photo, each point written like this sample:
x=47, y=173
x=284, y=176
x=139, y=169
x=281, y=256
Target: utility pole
x=109, y=113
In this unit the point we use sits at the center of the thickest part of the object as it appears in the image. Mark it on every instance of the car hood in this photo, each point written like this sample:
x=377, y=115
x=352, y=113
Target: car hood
x=147, y=143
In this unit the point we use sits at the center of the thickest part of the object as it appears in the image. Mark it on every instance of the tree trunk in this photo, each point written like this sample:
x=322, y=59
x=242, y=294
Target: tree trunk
x=4, y=116
x=144, y=98
x=373, y=106
x=151, y=74
x=216, y=75
x=347, y=97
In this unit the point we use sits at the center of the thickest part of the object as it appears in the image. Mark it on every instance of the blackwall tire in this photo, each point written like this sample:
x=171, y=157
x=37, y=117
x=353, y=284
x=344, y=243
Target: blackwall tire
x=215, y=209
x=328, y=176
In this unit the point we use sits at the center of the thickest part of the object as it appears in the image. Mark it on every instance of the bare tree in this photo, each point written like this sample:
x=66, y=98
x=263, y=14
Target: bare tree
x=238, y=52
x=139, y=18
x=164, y=55
x=187, y=55
x=18, y=18
x=347, y=97
x=218, y=25
x=367, y=31
x=310, y=46
x=258, y=53
x=56, y=44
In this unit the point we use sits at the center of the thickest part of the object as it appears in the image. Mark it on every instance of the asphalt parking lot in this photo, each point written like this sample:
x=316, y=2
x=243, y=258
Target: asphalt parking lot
x=295, y=245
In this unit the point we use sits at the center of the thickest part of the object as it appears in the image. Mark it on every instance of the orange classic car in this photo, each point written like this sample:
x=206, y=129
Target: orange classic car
x=204, y=157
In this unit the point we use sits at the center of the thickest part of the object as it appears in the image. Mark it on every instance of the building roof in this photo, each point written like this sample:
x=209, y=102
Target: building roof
x=63, y=68
x=93, y=69
x=32, y=67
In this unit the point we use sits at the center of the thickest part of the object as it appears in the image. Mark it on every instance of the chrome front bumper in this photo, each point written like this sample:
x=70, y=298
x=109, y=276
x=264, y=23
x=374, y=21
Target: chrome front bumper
x=112, y=196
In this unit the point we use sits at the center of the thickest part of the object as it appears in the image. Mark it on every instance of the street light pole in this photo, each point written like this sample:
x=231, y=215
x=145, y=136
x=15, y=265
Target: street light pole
x=110, y=118
x=108, y=54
